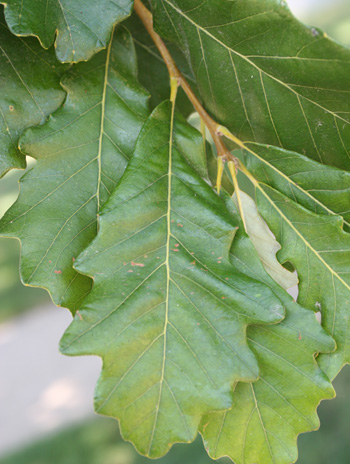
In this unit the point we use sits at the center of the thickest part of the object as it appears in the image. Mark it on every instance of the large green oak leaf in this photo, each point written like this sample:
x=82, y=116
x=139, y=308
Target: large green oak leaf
x=319, y=249
x=30, y=91
x=168, y=312
x=268, y=415
x=81, y=153
x=264, y=75
x=78, y=28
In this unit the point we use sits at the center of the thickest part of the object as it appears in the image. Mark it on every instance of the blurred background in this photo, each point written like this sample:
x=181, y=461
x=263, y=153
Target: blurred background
x=46, y=411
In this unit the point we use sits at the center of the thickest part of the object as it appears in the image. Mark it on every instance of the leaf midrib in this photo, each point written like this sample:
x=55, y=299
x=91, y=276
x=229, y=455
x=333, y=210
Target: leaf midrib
x=103, y=109
x=167, y=265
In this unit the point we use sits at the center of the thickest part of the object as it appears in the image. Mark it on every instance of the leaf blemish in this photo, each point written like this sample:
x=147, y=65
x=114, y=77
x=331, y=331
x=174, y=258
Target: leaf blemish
x=137, y=264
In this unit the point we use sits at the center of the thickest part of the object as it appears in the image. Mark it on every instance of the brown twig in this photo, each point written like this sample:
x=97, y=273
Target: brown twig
x=216, y=130
x=213, y=127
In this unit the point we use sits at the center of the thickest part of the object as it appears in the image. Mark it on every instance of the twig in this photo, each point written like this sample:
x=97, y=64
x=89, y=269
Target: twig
x=213, y=127
x=216, y=130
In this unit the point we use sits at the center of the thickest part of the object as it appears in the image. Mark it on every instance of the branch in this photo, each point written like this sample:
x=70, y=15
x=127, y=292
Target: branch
x=215, y=129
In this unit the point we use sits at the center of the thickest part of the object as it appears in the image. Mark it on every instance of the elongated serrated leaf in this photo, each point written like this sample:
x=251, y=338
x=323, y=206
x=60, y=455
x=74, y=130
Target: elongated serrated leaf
x=320, y=251
x=167, y=313
x=82, y=152
x=79, y=28
x=265, y=244
x=30, y=91
x=319, y=188
x=264, y=75
x=267, y=415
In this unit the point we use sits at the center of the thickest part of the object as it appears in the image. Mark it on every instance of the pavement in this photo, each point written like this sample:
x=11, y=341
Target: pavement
x=40, y=389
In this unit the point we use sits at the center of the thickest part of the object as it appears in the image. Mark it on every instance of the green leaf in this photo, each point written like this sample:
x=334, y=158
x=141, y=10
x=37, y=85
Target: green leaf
x=82, y=152
x=265, y=244
x=319, y=249
x=168, y=312
x=78, y=28
x=267, y=415
x=264, y=75
x=30, y=91
x=319, y=188
x=316, y=243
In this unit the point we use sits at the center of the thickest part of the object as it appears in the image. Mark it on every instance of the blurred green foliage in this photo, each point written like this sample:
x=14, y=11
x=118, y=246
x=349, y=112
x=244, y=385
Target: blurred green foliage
x=334, y=18
x=98, y=441
x=330, y=444
x=14, y=297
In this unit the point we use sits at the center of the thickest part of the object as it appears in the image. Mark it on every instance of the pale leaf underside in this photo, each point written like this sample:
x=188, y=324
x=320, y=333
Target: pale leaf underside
x=265, y=244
